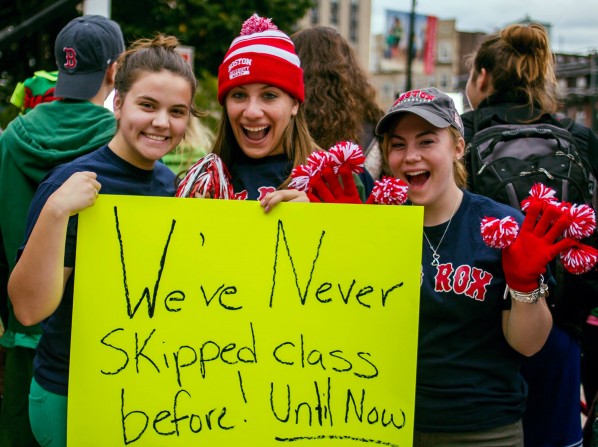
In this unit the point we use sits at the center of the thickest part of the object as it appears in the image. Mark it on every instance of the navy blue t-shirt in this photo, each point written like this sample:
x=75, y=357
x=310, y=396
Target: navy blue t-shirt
x=259, y=176
x=51, y=362
x=467, y=374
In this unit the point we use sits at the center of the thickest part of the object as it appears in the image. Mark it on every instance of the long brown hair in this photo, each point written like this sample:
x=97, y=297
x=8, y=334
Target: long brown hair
x=339, y=98
x=520, y=62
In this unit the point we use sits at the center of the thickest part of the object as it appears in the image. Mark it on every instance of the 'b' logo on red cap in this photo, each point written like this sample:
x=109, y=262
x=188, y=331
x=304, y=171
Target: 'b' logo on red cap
x=71, y=58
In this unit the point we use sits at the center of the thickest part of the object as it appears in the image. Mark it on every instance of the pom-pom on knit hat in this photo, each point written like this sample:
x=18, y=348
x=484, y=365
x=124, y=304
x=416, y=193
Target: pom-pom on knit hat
x=261, y=54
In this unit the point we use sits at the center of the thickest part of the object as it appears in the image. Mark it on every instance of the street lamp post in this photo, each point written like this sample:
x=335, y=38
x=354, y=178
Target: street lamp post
x=410, y=46
x=593, y=95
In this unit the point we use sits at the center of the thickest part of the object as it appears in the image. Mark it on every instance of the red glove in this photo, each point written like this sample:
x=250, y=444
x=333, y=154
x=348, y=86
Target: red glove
x=526, y=258
x=327, y=188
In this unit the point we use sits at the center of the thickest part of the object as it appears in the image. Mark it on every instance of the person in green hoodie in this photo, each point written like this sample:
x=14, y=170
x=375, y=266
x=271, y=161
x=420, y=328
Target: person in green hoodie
x=48, y=135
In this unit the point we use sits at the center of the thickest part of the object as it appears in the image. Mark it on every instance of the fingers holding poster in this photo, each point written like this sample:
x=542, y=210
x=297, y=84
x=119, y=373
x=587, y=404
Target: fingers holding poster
x=203, y=330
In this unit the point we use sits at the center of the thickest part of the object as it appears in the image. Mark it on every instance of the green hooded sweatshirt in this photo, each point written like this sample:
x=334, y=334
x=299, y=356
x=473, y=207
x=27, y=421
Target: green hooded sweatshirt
x=32, y=144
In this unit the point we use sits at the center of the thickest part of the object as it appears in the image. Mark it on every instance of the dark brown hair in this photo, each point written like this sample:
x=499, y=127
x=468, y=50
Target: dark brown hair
x=339, y=98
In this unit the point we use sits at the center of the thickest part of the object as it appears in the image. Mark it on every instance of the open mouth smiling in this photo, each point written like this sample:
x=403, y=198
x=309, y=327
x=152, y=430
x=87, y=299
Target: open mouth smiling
x=417, y=178
x=256, y=133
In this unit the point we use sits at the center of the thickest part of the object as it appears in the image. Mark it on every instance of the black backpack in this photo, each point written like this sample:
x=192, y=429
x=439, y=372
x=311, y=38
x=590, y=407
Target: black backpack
x=508, y=159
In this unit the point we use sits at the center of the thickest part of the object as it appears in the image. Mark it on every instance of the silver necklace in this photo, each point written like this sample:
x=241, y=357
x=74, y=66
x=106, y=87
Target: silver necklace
x=435, y=256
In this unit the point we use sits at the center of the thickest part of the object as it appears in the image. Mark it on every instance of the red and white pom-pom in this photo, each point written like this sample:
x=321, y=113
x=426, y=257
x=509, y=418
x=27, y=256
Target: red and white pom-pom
x=499, y=233
x=348, y=153
x=583, y=221
x=300, y=178
x=389, y=191
x=207, y=177
x=563, y=206
x=317, y=161
x=256, y=24
x=579, y=259
x=539, y=192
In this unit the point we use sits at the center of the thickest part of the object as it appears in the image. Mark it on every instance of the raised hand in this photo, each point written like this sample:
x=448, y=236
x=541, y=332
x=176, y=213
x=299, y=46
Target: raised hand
x=536, y=245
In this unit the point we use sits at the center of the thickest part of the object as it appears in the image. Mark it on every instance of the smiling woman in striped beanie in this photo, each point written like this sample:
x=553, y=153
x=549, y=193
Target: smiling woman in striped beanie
x=262, y=134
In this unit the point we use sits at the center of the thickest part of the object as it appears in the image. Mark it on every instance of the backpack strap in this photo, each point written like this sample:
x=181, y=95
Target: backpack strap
x=582, y=137
x=476, y=120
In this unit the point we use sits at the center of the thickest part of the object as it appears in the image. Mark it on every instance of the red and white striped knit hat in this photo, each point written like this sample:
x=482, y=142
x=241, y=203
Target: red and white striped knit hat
x=261, y=54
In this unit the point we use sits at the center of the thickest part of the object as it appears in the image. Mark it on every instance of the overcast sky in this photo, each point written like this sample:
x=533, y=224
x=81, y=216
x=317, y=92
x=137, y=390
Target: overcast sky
x=574, y=22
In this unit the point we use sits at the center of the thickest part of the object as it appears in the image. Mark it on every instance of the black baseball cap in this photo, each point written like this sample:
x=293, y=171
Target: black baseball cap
x=84, y=49
x=431, y=104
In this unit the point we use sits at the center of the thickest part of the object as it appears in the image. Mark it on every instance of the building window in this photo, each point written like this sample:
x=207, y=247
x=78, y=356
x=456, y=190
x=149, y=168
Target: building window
x=444, y=52
x=444, y=81
x=562, y=84
x=314, y=13
x=354, y=21
x=388, y=92
x=581, y=116
x=334, y=12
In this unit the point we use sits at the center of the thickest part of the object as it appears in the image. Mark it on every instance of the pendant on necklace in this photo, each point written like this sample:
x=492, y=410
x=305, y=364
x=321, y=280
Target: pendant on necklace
x=435, y=256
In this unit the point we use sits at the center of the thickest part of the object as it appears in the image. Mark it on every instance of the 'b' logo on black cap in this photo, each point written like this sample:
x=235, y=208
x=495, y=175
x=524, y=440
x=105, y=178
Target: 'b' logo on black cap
x=71, y=58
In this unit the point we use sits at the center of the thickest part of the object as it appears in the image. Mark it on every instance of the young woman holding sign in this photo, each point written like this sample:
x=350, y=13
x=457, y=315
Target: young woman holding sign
x=153, y=102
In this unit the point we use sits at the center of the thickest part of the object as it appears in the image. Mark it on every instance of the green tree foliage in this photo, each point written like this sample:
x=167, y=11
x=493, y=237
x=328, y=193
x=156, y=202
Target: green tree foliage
x=207, y=25
x=27, y=32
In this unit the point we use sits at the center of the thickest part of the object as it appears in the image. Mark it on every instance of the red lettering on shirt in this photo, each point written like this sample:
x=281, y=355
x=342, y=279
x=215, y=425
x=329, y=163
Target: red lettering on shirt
x=464, y=280
x=443, y=278
x=477, y=286
x=461, y=279
x=263, y=190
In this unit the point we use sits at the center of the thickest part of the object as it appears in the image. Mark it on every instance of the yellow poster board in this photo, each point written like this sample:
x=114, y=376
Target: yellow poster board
x=210, y=323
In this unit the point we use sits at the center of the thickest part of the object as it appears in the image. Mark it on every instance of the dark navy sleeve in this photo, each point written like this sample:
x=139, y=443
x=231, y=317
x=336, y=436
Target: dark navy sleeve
x=42, y=194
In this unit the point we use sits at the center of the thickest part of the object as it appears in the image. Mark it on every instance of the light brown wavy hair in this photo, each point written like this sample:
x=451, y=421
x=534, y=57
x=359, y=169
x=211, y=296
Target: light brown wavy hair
x=339, y=98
